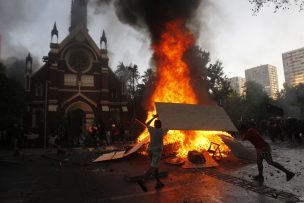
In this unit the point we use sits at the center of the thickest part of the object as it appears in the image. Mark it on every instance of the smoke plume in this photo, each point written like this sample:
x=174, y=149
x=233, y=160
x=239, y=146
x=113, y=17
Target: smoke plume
x=15, y=17
x=151, y=16
x=154, y=14
x=13, y=53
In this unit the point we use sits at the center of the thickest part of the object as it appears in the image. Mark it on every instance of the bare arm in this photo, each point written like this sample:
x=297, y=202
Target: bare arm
x=165, y=130
x=150, y=121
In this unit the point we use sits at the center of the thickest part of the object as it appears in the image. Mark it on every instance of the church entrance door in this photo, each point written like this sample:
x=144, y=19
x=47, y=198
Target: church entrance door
x=78, y=117
x=76, y=127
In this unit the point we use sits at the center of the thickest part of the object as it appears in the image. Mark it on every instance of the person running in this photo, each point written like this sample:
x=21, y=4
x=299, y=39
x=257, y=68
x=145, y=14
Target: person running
x=155, y=150
x=263, y=151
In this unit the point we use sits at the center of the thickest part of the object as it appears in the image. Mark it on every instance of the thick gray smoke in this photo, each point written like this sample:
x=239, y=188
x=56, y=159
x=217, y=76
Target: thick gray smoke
x=151, y=16
x=16, y=17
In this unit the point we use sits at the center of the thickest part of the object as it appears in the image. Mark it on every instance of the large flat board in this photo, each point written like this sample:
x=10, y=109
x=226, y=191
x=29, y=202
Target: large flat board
x=193, y=117
x=238, y=149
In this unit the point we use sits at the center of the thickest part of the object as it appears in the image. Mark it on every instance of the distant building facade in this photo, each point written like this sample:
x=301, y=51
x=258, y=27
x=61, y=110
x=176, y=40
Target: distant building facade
x=237, y=84
x=265, y=75
x=0, y=47
x=293, y=63
x=75, y=87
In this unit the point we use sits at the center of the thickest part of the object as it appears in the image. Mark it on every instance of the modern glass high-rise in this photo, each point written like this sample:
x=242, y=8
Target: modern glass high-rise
x=237, y=84
x=265, y=75
x=293, y=63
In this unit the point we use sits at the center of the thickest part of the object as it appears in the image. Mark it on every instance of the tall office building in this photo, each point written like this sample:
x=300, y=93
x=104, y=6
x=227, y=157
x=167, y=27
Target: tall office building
x=293, y=62
x=237, y=84
x=265, y=75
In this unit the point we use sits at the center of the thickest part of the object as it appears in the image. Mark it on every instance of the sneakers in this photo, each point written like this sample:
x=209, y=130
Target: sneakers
x=258, y=178
x=159, y=185
x=289, y=176
x=143, y=186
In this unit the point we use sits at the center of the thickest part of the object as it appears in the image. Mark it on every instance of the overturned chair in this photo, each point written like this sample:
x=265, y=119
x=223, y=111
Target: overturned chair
x=214, y=149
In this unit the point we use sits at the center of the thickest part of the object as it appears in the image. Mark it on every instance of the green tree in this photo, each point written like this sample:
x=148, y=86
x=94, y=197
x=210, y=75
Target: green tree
x=218, y=83
x=300, y=95
x=149, y=77
x=130, y=76
x=235, y=106
x=291, y=99
x=15, y=69
x=13, y=100
x=213, y=76
x=256, y=101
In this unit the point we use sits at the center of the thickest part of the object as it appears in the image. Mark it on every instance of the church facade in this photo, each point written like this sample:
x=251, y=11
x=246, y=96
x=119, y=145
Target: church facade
x=75, y=87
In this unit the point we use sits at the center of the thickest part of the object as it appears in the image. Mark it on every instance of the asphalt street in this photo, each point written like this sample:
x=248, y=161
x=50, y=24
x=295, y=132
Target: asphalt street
x=38, y=176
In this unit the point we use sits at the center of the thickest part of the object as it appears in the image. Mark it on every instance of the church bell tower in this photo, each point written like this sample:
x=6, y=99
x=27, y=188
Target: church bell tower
x=78, y=13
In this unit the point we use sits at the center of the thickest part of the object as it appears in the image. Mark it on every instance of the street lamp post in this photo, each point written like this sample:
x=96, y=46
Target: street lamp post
x=45, y=113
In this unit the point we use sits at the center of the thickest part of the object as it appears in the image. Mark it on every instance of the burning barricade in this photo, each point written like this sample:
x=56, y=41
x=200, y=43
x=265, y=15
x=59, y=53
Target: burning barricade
x=177, y=100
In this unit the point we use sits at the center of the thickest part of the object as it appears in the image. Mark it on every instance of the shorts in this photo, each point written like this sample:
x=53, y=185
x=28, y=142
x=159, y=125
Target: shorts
x=264, y=153
x=155, y=156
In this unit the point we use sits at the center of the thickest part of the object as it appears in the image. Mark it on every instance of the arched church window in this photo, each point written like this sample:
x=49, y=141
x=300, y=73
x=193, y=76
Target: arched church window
x=114, y=93
x=39, y=90
x=27, y=83
x=123, y=89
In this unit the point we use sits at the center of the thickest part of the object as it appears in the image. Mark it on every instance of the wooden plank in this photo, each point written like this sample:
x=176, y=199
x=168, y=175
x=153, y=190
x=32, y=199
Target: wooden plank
x=193, y=117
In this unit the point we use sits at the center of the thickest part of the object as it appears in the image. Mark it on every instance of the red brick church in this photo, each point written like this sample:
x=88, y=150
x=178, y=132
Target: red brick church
x=75, y=87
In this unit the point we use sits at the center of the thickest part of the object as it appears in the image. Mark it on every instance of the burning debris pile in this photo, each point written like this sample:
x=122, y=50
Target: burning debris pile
x=171, y=39
x=167, y=23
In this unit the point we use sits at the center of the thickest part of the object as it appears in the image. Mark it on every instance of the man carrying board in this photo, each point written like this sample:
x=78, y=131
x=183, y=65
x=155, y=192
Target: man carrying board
x=155, y=150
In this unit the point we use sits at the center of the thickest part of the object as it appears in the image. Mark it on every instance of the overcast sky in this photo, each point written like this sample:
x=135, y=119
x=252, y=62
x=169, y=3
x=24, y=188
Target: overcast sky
x=231, y=33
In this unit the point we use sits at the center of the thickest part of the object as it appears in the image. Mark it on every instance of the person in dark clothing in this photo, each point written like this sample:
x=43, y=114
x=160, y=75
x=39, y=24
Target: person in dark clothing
x=155, y=150
x=14, y=134
x=275, y=130
x=122, y=132
x=114, y=134
x=263, y=151
x=102, y=134
x=292, y=129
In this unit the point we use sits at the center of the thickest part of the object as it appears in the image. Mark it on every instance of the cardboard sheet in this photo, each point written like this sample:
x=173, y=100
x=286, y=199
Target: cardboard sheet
x=105, y=157
x=137, y=146
x=210, y=162
x=193, y=117
x=238, y=149
x=121, y=154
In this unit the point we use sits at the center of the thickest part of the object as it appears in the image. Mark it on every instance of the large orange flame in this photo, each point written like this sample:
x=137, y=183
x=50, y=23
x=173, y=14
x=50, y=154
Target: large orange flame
x=174, y=86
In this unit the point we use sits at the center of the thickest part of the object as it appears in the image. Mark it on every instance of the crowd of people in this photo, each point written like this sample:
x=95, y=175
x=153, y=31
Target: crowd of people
x=100, y=135
x=17, y=137
x=280, y=129
x=94, y=135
